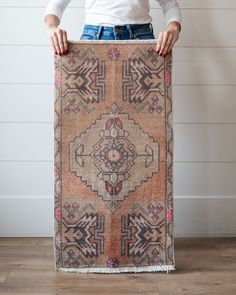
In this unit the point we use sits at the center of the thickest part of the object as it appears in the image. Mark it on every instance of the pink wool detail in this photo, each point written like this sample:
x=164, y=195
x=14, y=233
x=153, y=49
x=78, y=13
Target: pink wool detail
x=168, y=78
x=113, y=53
x=58, y=79
x=58, y=213
x=169, y=215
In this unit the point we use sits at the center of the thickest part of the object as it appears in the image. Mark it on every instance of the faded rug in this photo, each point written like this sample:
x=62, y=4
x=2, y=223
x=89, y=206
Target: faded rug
x=113, y=158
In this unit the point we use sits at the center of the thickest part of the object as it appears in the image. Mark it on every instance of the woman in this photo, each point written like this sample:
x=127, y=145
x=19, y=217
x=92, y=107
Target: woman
x=118, y=20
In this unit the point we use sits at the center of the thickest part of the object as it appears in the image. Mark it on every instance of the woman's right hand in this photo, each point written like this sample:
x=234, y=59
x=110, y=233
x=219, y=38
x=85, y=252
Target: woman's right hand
x=58, y=38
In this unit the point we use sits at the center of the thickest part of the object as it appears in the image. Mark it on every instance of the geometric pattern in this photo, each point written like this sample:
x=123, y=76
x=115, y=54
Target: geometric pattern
x=108, y=149
x=143, y=233
x=139, y=79
x=82, y=235
x=87, y=80
x=113, y=158
x=146, y=234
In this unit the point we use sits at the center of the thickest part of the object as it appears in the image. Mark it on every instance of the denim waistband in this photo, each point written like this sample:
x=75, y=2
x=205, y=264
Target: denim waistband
x=121, y=27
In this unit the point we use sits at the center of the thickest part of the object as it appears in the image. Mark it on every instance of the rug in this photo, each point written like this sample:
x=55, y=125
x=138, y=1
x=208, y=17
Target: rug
x=113, y=158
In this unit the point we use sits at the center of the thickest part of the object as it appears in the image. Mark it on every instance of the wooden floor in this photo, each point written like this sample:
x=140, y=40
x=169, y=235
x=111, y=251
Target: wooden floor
x=203, y=266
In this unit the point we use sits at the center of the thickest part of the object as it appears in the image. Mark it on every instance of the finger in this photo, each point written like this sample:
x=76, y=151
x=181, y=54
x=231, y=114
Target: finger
x=168, y=42
x=64, y=36
x=60, y=40
x=165, y=38
x=172, y=43
x=159, y=40
x=55, y=40
x=53, y=45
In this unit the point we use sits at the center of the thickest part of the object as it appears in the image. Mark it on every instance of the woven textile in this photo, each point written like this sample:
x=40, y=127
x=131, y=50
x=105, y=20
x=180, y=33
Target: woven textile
x=113, y=158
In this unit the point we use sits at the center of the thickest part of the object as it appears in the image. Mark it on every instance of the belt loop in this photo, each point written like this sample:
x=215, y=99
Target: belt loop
x=151, y=27
x=130, y=31
x=99, y=31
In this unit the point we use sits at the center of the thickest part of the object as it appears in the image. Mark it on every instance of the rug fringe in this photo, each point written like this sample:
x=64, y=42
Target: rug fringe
x=150, y=268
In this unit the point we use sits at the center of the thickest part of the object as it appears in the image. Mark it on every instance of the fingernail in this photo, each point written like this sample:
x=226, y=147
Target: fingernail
x=56, y=53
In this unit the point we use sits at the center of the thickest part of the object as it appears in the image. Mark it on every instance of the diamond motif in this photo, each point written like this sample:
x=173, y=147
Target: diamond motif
x=109, y=148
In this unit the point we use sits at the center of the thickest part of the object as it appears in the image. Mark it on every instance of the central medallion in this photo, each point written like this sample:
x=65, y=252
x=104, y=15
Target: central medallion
x=114, y=156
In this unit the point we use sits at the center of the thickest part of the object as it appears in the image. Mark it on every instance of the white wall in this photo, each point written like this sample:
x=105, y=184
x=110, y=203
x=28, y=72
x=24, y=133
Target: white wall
x=204, y=105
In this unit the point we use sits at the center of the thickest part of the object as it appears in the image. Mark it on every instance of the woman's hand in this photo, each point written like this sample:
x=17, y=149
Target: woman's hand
x=167, y=39
x=58, y=38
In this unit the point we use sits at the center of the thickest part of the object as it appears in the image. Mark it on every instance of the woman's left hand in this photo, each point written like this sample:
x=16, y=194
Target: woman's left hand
x=167, y=39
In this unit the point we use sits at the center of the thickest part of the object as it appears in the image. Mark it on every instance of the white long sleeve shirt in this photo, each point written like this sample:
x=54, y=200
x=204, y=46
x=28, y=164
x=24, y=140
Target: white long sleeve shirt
x=118, y=12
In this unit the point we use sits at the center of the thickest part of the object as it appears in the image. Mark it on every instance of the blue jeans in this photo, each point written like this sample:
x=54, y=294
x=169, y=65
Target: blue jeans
x=121, y=32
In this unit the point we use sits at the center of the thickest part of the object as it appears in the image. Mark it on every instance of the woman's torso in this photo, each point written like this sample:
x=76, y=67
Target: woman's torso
x=117, y=12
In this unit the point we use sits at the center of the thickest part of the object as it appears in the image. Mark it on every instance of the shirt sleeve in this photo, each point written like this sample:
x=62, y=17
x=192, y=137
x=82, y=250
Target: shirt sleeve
x=56, y=7
x=171, y=11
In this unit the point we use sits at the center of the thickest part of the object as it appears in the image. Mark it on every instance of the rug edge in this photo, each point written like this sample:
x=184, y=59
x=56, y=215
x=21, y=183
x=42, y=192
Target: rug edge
x=117, y=41
x=151, y=268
